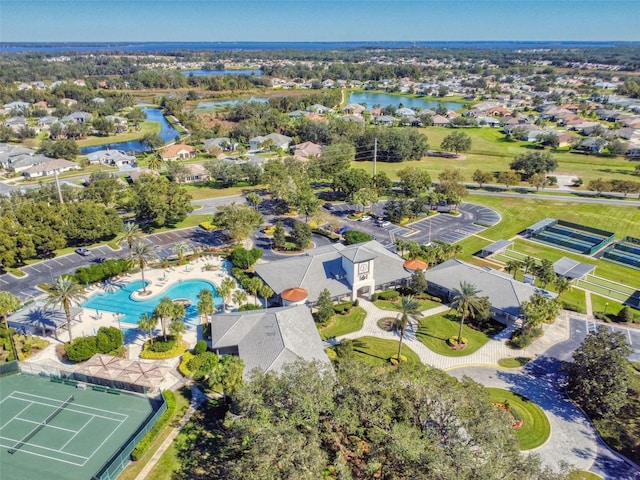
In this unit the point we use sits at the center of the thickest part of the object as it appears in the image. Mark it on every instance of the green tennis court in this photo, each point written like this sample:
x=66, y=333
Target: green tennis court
x=54, y=430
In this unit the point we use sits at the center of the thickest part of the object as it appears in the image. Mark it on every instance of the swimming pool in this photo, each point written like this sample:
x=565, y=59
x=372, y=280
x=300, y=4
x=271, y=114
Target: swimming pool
x=120, y=301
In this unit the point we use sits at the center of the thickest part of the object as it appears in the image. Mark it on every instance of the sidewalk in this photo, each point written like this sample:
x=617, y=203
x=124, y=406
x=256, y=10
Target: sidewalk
x=489, y=354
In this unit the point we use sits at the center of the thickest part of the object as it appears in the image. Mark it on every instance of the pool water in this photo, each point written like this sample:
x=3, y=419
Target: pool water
x=120, y=301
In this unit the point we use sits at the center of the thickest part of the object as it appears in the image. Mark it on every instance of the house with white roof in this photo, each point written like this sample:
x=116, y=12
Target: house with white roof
x=277, y=140
x=52, y=167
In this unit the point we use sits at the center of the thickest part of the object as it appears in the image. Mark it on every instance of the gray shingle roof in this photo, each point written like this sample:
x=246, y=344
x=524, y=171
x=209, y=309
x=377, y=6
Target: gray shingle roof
x=269, y=339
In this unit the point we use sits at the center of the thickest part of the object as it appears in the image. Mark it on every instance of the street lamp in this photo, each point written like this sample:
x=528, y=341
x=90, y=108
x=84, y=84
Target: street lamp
x=606, y=304
x=51, y=273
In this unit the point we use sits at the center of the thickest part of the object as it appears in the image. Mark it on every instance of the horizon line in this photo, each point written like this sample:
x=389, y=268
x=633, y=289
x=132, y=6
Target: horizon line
x=308, y=41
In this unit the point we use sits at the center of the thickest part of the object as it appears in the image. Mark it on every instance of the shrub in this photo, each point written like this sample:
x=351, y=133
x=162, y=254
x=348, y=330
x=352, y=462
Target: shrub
x=249, y=306
x=290, y=247
x=208, y=226
x=326, y=233
x=159, y=345
x=355, y=236
x=394, y=359
x=243, y=258
x=149, y=438
x=183, y=368
x=81, y=349
x=342, y=307
x=201, y=347
x=178, y=349
x=626, y=314
x=332, y=354
x=108, y=339
x=388, y=295
x=453, y=341
x=523, y=338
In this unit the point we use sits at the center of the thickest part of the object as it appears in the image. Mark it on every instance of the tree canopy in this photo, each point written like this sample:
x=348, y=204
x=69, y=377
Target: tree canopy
x=361, y=422
x=534, y=162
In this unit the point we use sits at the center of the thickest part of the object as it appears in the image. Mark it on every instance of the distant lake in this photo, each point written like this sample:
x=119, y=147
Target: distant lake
x=167, y=133
x=384, y=100
x=230, y=103
x=213, y=73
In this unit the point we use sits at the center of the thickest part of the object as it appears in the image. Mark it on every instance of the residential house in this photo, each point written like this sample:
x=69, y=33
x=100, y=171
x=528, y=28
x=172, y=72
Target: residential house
x=440, y=121
x=17, y=158
x=592, y=145
x=177, y=151
x=197, y=173
x=634, y=150
x=354, y=108
x=121, y=123
x=386, y=120
x=306, y=151
x=112, y=157
x=274, y=139
x=224, y=144
x=405, y=112
x=298, y=114
x=98, y=100
x=134, y=175
x=46, y=122
x=15, y=123
x=484, y=121
x=268, y=340
x=319, y=109
x=51, y=167
x=17, y=106
x=353, y=118
x=78, y=117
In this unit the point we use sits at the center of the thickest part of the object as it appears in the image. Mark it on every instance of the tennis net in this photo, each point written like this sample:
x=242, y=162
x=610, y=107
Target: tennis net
x=40, y=426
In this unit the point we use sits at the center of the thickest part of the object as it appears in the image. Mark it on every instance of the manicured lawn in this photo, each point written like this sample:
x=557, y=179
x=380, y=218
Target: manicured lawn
x=343, y=324
x=199, y=192
x=190, y=221
x=583, y=475
x=516, y=362
x=575, y=296
x=434, y=331
x=602, y=304
x=395, y=306
x=378, y=351
x=145, y=127
x=535, y=429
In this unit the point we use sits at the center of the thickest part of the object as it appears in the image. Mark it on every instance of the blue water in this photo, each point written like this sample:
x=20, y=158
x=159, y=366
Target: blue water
x=230, y=103
x=120, y=301
x=167, y=133
x=16, y=47
x=382, y=99
x=214, y=73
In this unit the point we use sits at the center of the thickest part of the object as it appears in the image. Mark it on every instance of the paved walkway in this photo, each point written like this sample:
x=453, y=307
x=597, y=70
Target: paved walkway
x=495, y=349
x=197, y=399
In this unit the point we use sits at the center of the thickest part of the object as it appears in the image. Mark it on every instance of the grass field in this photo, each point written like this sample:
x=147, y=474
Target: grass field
x=535, y=428
x=146, y=127
x=491, y=151
x=343, y=324
x=434, y=331
x=378, y=351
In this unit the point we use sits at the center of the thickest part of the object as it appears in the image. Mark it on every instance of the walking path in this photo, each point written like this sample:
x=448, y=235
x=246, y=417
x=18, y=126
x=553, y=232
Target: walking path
x=197, y=399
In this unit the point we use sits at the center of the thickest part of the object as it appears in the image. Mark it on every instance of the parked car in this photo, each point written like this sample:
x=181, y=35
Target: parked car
x=83, y=251
x=364, y=218
x=385, y=223
x=328, y=206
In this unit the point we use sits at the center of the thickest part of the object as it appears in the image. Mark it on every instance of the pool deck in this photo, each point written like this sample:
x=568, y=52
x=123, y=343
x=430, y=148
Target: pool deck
x=160, y=279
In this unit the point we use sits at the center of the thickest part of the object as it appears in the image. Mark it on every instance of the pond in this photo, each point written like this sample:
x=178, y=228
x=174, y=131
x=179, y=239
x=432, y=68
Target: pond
x=384, y=100
x=213, y=73
x=229, y=103
x=167, y=133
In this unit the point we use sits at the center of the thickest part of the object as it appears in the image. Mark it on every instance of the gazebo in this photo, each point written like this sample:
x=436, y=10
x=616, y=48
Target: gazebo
x=413, y=264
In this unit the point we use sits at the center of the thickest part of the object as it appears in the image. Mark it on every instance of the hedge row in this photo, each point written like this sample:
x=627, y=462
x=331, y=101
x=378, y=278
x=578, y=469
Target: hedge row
x=386, y=295
x=178, y=349
x=150, y=437
x=326, y=233
x=342, y=307
x=102, y=271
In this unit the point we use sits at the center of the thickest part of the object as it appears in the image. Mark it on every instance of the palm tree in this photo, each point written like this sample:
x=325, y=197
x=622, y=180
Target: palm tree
x=131, y=233
x=512, y=266
x=466, y=303
x=409, y=310
x=562, y=284
x=63, y=294
x=143, y=253
x=177, y=326
x=529, y=264
x=9, y=303
x=239, y=297
x=253, y=286
x=155, y=162
x=254, y=199
x=266, y=292
x=147, y=322
x=206, y=305
x=180, y=249
x=226, y=287
x=164, y=311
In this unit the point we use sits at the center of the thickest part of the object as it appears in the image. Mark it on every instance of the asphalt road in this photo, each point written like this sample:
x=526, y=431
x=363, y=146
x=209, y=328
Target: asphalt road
x=559, y=198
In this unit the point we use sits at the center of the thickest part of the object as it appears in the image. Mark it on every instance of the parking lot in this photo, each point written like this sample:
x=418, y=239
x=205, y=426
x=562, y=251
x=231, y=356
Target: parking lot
x=48, y=271
x=441, y=227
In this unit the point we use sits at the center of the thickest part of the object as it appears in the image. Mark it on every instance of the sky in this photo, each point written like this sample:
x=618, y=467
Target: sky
x=319, y=20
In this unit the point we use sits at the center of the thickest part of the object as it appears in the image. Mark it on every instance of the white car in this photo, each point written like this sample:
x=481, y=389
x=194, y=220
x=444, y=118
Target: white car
x=364, y=218
x=386, y=223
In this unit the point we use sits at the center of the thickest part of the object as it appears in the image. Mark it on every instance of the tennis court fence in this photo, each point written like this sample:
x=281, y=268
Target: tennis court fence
x=114, y=467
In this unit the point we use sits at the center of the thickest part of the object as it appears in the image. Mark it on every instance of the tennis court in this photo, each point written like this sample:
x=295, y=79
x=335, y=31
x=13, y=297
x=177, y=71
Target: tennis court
x=625, y=252
x=570, y=236
x=54, y=430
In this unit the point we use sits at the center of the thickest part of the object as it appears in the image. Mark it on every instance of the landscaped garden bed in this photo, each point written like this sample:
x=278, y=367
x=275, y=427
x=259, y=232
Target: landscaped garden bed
x=379, y=351
x=531, y=425
x=341, y=324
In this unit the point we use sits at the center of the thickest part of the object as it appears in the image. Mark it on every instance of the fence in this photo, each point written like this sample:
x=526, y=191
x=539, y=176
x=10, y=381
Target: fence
x=114, y=467
x=9, y=368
